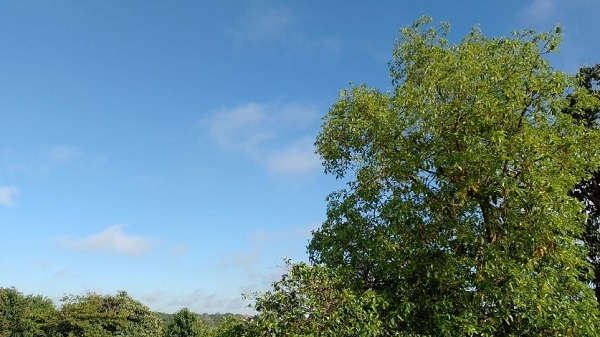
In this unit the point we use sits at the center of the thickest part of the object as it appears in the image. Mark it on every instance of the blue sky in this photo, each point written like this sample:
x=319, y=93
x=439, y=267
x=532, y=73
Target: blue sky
x=165, y=147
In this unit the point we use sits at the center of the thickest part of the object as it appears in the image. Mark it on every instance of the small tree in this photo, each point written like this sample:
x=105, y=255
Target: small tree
x=186, y=324
x=457, y=212
x=233, y=326
x=14, y=313
x=26, y=316
x=314, y=301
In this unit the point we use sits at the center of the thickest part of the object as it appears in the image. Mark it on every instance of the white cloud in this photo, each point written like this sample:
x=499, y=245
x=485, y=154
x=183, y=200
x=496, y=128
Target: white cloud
x=7, y=195
x=297, y=158
x=113, y=240
x=242, y=127
x=280, y=136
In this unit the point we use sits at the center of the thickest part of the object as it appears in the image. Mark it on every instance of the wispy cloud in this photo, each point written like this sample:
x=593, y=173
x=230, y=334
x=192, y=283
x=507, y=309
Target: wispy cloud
x=290, y=234
x=574, y=15
x=203, y=301
x=46, y=161
x=112, y=240
x=261, y=243
x=264, y=25
x=296, y=158
x=179, y=251
x=62, y=154
x=262, y=248
x=40, y=263
x=244, y=260
x=540, y=10
x=199, y=300
x=280, y=136
x=147, y=181
x=243, y=127
x=7, y=195
x=67, y=274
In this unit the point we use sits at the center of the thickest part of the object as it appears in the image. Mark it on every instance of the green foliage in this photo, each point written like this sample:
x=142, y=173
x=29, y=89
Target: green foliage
x=232, y=326
x=187, y=324
x=457, y=217
x=313, y=301
x=42, y=316
x=25, y=316
x=582, y=107
x=13, y=312
x=96, y=315
x=588, y=190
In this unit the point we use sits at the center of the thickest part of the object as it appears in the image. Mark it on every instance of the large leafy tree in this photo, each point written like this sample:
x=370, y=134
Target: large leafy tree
x=588, y=190
x=457, y=212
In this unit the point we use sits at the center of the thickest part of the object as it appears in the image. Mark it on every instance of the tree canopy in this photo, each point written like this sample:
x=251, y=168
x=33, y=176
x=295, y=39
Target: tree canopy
x=96, y=315
x=186, y=324
x=457, y=212
x=106, y=315
x=26, y=316
x=588, y=190
x=314, y=301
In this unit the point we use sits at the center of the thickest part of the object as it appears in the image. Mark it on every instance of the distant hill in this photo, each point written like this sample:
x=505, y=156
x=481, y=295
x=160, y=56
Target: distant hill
x=212, y=320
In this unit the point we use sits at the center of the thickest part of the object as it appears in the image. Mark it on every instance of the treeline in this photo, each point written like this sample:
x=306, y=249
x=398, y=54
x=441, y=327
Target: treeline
x=212, y=320
x=96, y=315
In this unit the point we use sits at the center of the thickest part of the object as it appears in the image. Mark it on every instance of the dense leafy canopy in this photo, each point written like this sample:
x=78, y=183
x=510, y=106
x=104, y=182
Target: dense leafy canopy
x=186, y=324
x=314, y=301
x=26, y=316
x=106, y=315
x=588, y=190
x=458, y=212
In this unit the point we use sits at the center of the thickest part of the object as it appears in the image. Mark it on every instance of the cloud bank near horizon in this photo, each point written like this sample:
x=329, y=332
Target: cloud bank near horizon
x=113, y=240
